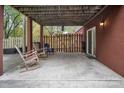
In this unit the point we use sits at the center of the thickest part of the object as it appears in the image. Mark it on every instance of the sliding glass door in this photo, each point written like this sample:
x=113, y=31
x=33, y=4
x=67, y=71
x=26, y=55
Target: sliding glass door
x=91, y=41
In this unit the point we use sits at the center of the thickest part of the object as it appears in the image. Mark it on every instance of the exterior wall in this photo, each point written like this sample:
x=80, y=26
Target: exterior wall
x=1, y=39
x=110, y=38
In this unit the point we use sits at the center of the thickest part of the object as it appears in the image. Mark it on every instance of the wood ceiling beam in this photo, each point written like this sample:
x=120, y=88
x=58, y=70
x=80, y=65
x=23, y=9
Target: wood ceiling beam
x=61, y=13
x=57, y=7
x=61, y=20
x=64, y=15
x=68, y=23
x=40, y=10
x=60, y=17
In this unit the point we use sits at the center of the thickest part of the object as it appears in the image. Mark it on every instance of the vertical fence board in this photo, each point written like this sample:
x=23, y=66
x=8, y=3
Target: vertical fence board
x=50, y=41
x=79, y=44
x=61, y=43
x=73, y=42
x=56, y=43
x=66, y=42
x=70, y=43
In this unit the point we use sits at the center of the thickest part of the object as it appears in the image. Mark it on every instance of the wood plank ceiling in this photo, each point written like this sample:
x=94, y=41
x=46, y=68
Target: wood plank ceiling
x=63, y=15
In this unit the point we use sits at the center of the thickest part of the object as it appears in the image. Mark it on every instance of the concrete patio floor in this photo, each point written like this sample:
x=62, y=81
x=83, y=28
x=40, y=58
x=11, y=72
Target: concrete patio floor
x=60, y=70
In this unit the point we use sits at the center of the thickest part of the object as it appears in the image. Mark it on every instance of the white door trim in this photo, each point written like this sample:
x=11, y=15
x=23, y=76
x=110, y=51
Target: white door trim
x=87, y=44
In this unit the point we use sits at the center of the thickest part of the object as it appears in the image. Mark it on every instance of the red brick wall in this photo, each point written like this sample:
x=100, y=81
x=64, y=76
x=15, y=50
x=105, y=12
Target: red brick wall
x=110, y=39
x=1, y=40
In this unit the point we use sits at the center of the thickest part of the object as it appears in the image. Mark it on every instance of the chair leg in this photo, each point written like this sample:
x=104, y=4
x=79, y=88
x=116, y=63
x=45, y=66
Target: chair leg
x=38, y=61
x=46, y=55
x=26, y=66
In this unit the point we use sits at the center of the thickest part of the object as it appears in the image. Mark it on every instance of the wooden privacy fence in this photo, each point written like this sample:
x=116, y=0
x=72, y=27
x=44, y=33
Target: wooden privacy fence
x=12, y=41
x=65, y=43
x=61, y=42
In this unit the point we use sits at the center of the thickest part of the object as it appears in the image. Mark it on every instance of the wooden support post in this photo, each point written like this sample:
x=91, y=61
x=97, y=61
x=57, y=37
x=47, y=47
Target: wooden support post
x=29, y=34
x=1, y=38
x=41, y=36
x=24, y=34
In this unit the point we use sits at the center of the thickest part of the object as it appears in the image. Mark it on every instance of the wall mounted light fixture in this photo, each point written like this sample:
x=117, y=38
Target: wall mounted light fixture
x=102, y=23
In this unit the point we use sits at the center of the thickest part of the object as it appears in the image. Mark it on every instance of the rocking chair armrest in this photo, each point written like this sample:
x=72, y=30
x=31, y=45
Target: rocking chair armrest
x=30, y=51
x=29, y=54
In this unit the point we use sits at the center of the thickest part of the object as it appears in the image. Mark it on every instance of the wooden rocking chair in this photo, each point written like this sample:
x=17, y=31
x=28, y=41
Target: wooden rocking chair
x=41, y=53
x=29, y=59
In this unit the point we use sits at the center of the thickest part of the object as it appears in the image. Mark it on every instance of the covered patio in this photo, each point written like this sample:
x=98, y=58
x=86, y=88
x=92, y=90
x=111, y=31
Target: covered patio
x=64, y=69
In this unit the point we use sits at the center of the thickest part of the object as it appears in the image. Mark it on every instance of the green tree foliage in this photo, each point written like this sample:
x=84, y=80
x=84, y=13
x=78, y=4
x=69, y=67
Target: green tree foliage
x=52, y=30
x=12, y=22
x=36, y=29
x=55, y=30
